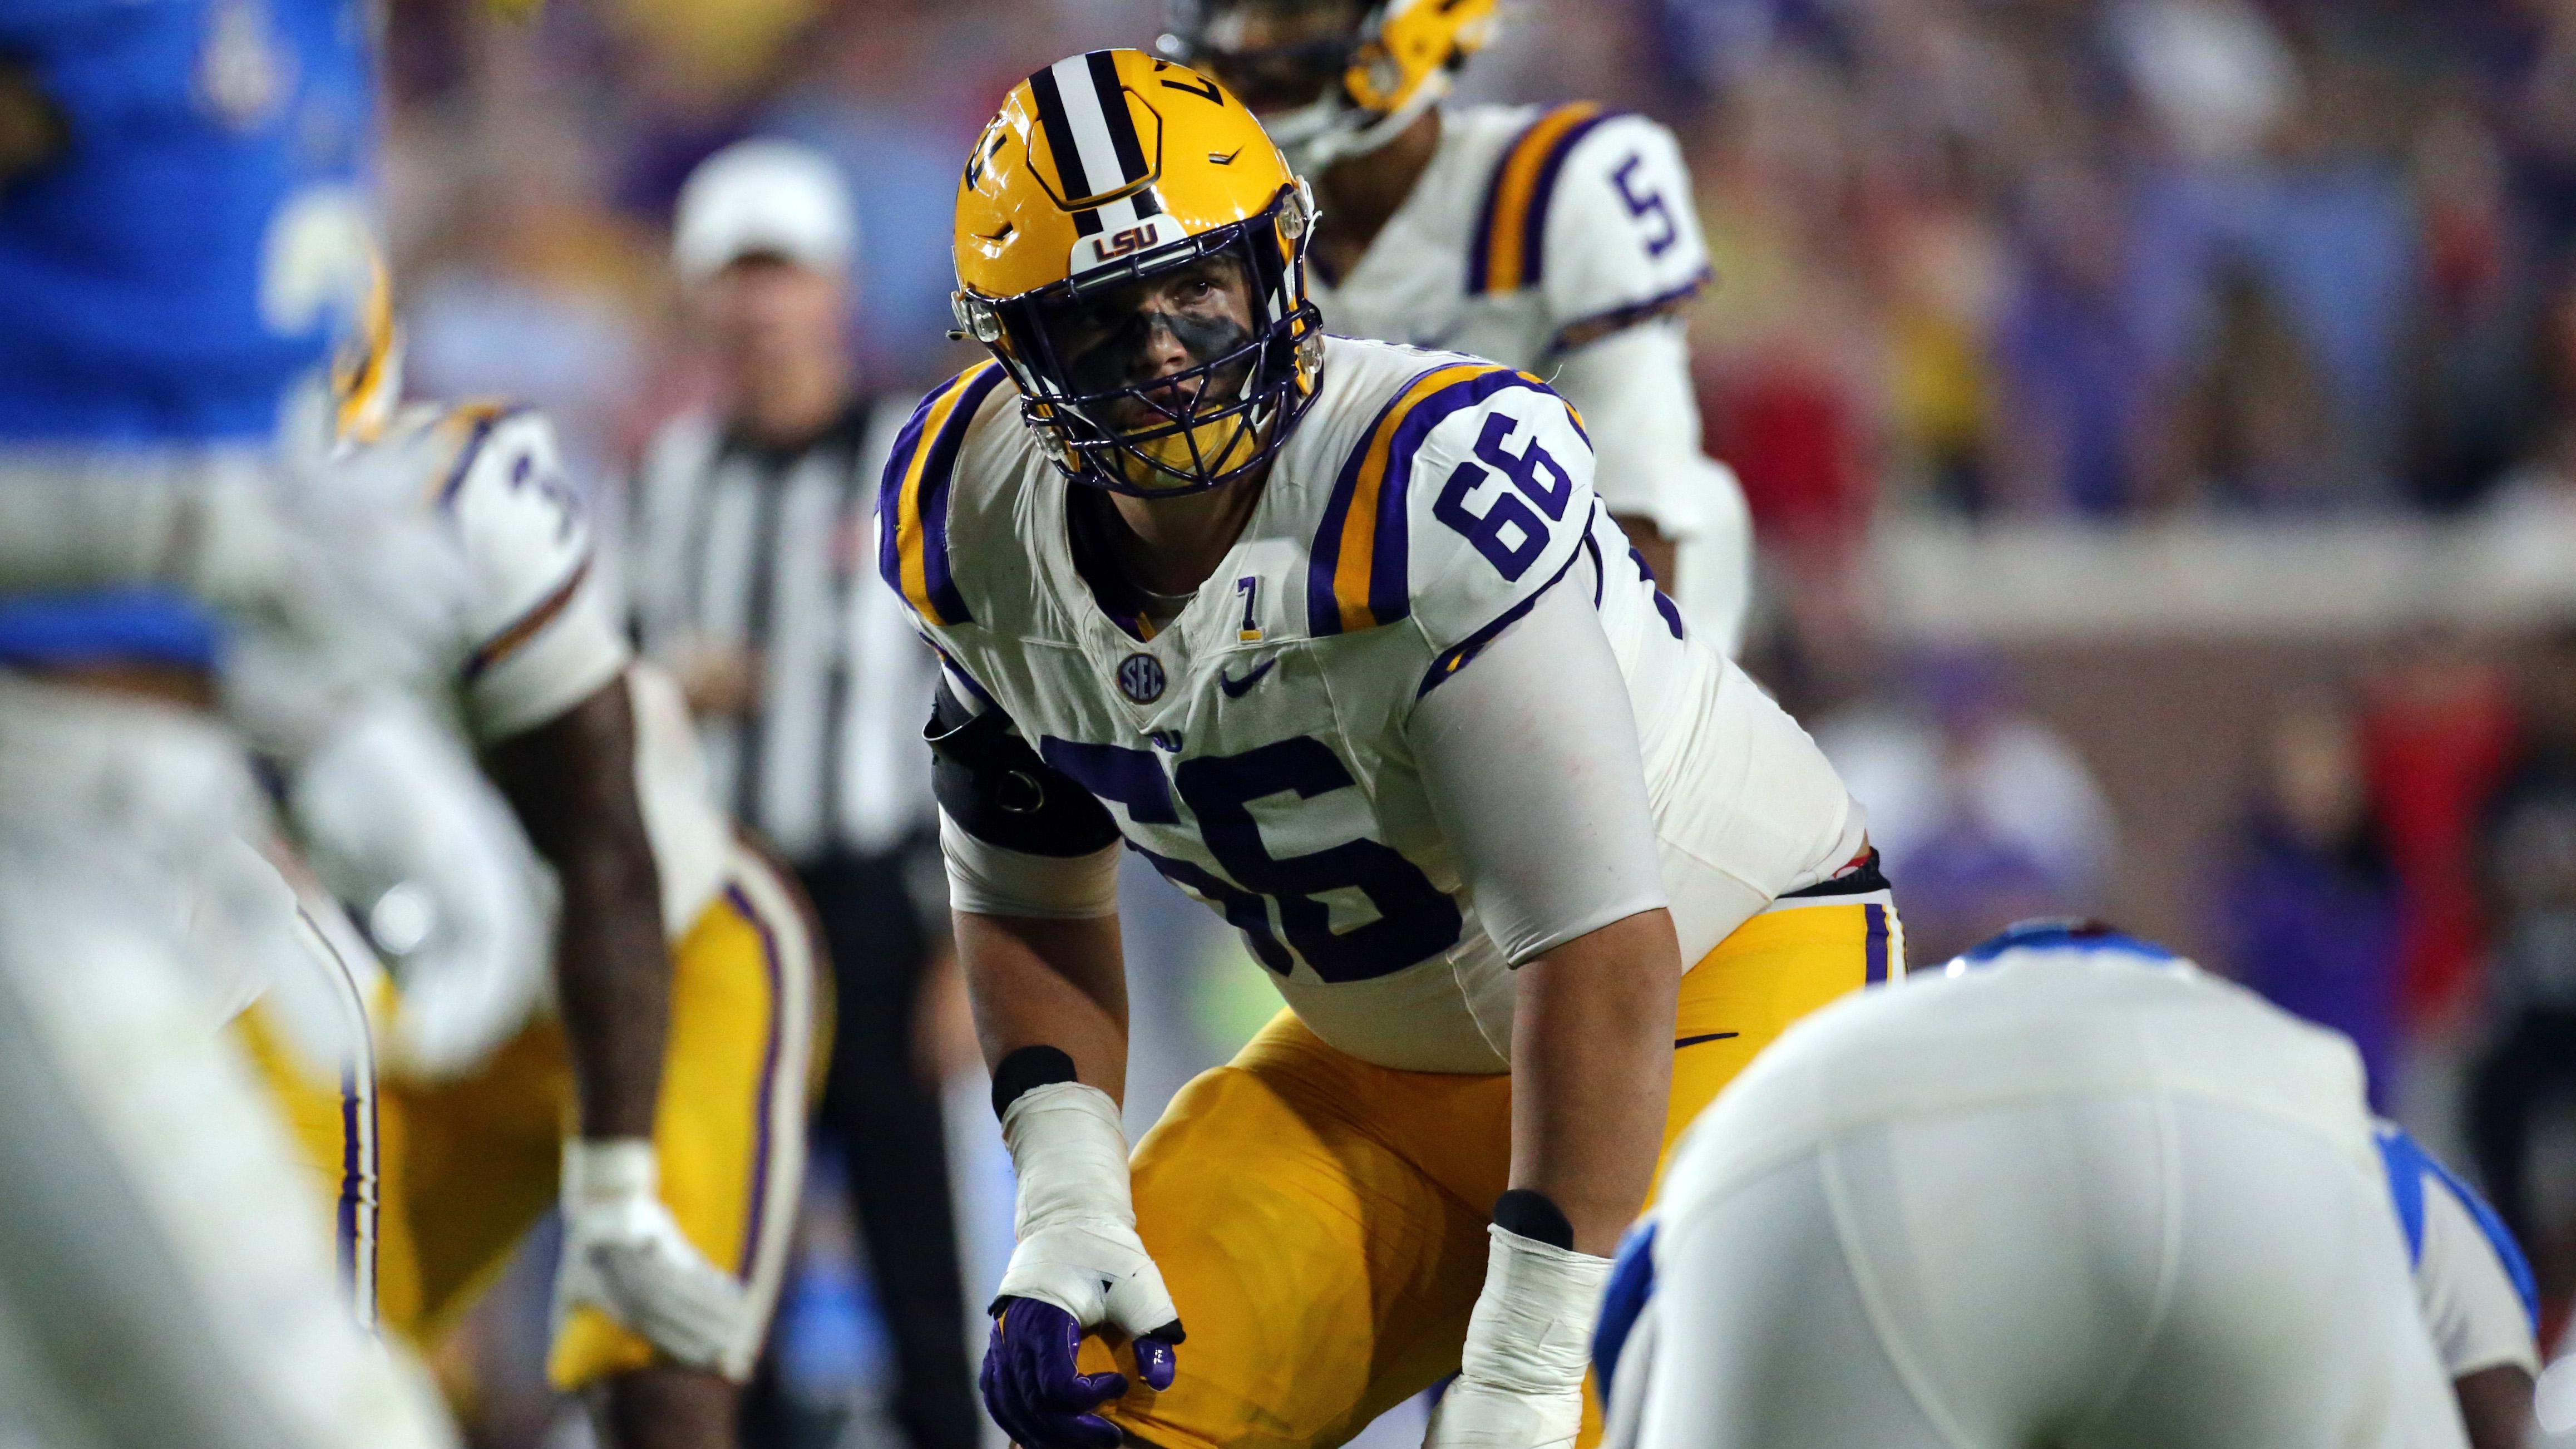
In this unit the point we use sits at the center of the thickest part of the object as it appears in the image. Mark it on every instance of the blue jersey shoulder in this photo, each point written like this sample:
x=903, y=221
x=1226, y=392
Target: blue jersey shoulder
x=2413, y=1172
x=160, y=275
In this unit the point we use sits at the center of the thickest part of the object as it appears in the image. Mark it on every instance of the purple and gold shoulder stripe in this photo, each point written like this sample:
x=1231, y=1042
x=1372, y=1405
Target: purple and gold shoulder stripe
x=1356, y=574
x=1508, y=250
x=912, y=500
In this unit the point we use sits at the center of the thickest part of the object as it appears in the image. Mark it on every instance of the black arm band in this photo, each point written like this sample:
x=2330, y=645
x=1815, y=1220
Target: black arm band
x=996, y=788
x=1533, y=1215
x=1033, y=1066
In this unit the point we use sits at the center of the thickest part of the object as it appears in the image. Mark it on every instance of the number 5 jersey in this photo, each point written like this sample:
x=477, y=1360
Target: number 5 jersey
x=1565, y=241
x=1254, y=748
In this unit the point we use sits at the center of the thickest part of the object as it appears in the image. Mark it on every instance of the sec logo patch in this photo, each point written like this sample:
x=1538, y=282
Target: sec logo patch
x=1140, y=678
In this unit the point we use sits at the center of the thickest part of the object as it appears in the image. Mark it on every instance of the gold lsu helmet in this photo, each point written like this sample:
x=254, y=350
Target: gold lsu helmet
x=1331, y=78
x=1110, y=169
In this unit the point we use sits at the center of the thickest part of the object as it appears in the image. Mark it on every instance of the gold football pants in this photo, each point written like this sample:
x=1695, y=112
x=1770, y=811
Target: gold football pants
x=464, y=1167
x=1321, y=1221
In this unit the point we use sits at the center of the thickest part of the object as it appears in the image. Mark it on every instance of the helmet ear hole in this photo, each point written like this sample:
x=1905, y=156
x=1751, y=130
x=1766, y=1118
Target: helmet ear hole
x=1297, y=210
x=975, y=317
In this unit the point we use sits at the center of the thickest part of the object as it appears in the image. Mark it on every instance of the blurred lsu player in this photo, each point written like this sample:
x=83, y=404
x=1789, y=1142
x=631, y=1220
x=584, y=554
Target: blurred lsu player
x=1336, y=635
x=2077, y=1193
x=178, y=190
x=1561, y=240
x=664, y=1102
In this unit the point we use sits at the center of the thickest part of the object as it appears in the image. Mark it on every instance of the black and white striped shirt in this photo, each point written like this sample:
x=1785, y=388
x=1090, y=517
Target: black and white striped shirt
x=773, y=551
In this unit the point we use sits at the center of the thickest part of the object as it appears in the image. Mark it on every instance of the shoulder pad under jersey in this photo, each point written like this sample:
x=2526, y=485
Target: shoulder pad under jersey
x=527, y=540
x=914, y=495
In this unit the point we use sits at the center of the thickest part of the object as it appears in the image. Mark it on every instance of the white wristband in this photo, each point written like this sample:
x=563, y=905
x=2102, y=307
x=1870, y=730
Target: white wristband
x=607, y=1169
x=1531, y=1332
x=1071, y=1155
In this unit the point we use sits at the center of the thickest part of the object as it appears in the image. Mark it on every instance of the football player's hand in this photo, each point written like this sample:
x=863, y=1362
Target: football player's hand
x=396, y=818
x=624, y=1255
x=1034, y=1390
x=1079, y=1266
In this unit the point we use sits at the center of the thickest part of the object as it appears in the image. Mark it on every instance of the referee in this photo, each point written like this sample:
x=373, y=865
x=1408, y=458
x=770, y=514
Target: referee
x=754, y=583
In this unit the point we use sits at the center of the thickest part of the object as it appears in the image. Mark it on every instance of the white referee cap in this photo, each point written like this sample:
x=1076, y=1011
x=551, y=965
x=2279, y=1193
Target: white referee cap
x=764, y=197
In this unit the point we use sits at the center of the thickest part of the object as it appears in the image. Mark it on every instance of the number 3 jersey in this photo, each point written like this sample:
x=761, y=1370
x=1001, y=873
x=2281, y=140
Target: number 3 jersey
x=540, y=632
x=1254, y=749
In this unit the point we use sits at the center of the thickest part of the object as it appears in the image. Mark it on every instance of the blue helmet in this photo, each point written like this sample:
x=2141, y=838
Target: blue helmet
x=2060, y=934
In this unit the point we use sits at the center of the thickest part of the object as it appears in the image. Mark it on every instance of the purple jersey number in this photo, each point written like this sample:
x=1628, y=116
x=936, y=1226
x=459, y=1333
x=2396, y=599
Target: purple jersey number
x=1509, y=534
x=1414, y=920
x=1651, y=204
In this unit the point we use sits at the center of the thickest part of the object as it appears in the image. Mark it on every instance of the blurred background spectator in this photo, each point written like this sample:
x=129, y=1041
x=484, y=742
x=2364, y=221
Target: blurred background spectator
x=2526, y=854
x=2182, y=393
x=1985, y=812
x=2306, y=900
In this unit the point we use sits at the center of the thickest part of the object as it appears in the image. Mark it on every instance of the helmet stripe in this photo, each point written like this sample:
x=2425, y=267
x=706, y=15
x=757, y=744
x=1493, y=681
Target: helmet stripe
x=1096, y=148
x=1069, y=175
x=1122, y=122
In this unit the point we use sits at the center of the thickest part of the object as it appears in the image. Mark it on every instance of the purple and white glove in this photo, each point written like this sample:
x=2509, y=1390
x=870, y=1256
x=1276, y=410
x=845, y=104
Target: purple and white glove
x=1079, y=1266
x=1034, y=1391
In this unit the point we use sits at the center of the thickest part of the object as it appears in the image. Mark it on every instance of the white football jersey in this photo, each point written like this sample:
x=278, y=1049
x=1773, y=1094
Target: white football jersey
x=1527, y=222
x=2475, y=1286
x=1535, y=226
x=543, y=634
x=1254, y=750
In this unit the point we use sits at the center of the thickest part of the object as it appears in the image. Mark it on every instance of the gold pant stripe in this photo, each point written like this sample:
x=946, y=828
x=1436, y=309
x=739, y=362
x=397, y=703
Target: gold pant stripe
x=732, y=1159
x=1321, y=1221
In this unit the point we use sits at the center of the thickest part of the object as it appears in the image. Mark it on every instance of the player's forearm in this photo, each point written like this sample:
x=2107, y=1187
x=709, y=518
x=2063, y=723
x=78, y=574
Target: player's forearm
x=1053, y=983
x=2496, y=1404
x=613, y=973
x=572, y=782
x=1592, y=1045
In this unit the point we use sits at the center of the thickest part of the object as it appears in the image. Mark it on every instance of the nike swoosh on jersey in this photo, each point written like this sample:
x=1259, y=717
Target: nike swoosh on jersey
x=1236, y=688
x=1696, y=1040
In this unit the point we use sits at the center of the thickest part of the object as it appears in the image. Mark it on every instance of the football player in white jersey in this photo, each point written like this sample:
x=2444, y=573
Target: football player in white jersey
x=2139, y=1206
x=1561, y=240
x=1335, y=633
x=684, y=976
